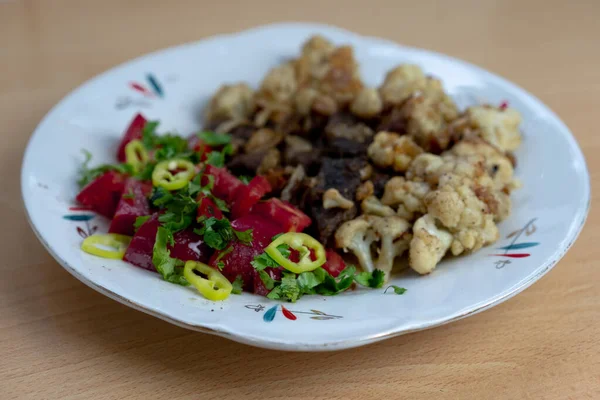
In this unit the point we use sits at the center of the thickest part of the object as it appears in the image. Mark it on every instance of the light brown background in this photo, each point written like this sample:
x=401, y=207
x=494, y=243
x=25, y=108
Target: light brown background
x=59, y=339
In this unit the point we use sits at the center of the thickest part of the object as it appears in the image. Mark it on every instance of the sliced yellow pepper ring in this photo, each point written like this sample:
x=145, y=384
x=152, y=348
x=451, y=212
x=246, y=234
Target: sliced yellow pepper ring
x=136, y=155
x=173, y=174
x=214, y=287
x=117, y=245
x=303, y=243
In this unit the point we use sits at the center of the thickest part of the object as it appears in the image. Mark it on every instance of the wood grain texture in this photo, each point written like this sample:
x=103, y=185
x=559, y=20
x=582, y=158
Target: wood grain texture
x=61, y=340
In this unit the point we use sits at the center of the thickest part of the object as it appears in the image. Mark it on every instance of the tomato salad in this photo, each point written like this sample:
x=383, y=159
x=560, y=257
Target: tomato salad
x=175, y=209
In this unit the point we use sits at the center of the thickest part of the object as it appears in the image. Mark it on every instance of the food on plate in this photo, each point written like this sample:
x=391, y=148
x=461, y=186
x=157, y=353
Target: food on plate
x=312, y=183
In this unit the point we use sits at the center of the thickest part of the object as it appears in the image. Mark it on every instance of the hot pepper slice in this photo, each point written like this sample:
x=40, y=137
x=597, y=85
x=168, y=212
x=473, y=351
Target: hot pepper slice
x=303, y=243
x=214, y=287
x=136, y=155
x=118, y=244
x=173, y=174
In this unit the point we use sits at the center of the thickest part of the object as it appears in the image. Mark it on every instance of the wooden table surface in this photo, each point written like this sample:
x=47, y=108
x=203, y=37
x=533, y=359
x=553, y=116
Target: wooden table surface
x=59, y=339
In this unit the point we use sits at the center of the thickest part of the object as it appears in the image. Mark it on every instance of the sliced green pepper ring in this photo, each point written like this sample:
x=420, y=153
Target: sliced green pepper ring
x=173, y=174
x=214, y=287
x=302, y=243
x=117, y=245
x=136, y=155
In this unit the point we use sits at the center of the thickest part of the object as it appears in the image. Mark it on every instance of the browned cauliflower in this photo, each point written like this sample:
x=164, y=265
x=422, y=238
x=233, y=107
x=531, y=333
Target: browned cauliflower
x=359, y=235
x=428, y=245
x=499, y=127
x=333, y=71
x=497, y=164
x=402, y=82
x=392, y=150
x=332, y=198
x=280, y=85
x=231, y=102
x=367, y=103
x=407, y=196
x=373, y=206
x=456, y=219
x=428, y=116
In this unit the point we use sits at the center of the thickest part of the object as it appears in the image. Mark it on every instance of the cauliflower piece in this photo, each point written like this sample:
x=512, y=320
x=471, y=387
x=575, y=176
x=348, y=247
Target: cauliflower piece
x=461, y=212
x=365, y=190
x=428, y=245
x=498, y=166
x=427, y=119
x=332, y=71
x=317, y=49
x=231, y=102
x=407, y=195
x=309, y=99
x=372, y=206
x=359, y=234
x=392, y=150
x=280, y=85
x=402, y=82
x=332, y=198
x=367, y=104
x=498, y=127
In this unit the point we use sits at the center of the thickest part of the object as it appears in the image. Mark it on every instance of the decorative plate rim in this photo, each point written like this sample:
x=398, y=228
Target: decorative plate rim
x=571, y=236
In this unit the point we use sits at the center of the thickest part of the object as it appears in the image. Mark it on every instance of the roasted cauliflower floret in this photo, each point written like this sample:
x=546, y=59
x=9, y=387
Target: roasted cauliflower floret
x=402, y=82
x=280, y=85
x=407, y=196
x=498, y=166
x=358, y=236
x=332, y=71
x=332, y=198
x=500, y=127
x=462, y=213
x=372, y=206
x=427, y=120
x=392, y=150
x=317, y=49
x=231, y=102
x=309, y=99
x=367, y=103
x=428, y=245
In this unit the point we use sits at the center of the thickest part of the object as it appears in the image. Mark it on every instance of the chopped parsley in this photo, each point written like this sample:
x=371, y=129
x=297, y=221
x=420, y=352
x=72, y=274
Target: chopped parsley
x=139, y=221
x=218, y=233
x=215, y=139
x=217, y=158
x=171, y=269
x=397, y=289
x=238, y=285
x=87, y=174
x=373, y=280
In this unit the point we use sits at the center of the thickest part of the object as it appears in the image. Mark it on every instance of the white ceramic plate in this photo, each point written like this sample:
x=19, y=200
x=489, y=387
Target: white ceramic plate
x=173, y=85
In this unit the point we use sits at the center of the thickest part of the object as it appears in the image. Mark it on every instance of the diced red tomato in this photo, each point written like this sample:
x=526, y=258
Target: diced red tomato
x=334, y=264
x=207, y=208
x=133, y=132
x=237, y=261
x=198, y=146
x=226, y=184
x=103, y=193
x=283, y=213
x=246, y=196
x=188, y=246
x=134, y=203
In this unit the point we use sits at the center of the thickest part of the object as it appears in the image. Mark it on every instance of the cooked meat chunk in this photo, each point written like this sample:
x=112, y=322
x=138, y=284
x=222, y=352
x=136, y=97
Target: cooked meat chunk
x=347, y=137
